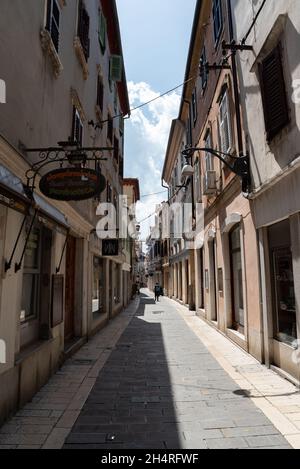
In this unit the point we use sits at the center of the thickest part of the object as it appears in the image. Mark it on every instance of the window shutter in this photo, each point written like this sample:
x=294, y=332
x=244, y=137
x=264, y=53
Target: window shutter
x=83, y=29
x=102, y=31
x=77, y=127
x=116, y=68
x=49, y=11
x=274, y=93
x=100, y=93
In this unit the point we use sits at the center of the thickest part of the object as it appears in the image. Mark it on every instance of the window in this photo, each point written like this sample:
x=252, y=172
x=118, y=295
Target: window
x=274, y=93
x=189, y=129
x=53, y=21
x=109, y=193
x=115, y=68
x=83, y=29
x=121, y=126
x=209, y=159
x=102, y=31
x=217, y=19
x=77, y=127
x=110, y=129
x=100, y=93
x=31, y=276
x=283, y=283
x=198, y=192
x=116, y=100
x=98, y=287
x=225, y=124
x=194, y=106
x=203, y=71
x=116, y=150
x=237, y=280
x=121, y=168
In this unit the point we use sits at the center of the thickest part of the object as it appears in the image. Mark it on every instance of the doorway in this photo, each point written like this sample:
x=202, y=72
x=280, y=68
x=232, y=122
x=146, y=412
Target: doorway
x=213, y=281
x=238, y=313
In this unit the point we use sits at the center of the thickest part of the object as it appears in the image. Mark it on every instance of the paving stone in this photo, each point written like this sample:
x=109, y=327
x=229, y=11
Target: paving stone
x=266, y=441
x=227, y=443
x=251, y=431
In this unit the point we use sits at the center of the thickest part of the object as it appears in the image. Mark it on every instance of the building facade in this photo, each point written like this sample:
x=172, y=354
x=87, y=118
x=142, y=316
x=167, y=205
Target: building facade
x=225, y=255
x=271, y=114
x=63, y=67
x=241, y=101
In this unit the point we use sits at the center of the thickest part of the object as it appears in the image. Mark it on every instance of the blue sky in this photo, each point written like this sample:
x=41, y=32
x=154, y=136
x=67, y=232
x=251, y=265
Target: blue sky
x=155, y=37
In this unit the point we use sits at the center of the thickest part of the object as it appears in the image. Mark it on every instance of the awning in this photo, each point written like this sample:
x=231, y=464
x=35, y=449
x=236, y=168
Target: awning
x=13, y=184
x=50, y=211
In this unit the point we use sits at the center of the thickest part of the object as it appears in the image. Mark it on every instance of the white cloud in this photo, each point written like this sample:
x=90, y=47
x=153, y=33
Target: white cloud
x=146, y=146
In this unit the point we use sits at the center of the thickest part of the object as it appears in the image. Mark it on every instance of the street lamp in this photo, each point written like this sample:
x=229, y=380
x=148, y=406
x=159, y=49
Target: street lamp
x=240, y=167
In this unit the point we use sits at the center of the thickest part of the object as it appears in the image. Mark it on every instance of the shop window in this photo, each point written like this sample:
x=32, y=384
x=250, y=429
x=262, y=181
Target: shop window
x=283, y=285
x=237, y=280
x=36, y=286
x=98, y=287
x=31, y=277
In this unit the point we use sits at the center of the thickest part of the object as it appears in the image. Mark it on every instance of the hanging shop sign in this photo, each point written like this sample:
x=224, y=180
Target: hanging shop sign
x=72, y=184
x=110, y=247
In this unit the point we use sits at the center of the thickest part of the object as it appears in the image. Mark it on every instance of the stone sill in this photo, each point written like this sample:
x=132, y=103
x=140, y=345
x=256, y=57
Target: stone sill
x=81, y=57
x=49, y=49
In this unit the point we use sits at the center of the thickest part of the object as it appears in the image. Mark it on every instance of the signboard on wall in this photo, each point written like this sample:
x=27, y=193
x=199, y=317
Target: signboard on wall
x=72, y=184
x=110, y=247
x=57, y=309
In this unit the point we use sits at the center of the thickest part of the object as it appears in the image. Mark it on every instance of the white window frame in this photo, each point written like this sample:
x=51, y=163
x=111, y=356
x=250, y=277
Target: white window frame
x=209, y=158
x=225, y=124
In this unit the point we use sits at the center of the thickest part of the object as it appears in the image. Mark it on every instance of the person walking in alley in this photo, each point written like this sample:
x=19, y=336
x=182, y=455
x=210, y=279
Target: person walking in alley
x=157, y=291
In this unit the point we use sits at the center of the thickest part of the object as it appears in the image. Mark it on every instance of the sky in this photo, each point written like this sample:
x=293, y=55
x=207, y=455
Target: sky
x=155, y=38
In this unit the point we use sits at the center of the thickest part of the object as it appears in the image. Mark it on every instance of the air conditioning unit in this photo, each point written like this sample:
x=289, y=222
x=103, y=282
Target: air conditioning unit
x=210, y=183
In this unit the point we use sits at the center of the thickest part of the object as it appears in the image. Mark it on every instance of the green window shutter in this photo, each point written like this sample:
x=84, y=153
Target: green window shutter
x=102, y=31
x=116, y=68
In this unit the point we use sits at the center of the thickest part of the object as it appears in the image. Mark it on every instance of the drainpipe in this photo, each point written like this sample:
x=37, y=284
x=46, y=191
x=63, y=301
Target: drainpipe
x=235, y=84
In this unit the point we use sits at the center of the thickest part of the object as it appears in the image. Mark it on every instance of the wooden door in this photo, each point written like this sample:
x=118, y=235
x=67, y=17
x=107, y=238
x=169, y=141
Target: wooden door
x=70, y=288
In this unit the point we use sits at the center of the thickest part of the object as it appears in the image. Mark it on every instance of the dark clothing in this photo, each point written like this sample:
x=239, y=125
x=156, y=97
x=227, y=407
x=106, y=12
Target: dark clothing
x=157, y=292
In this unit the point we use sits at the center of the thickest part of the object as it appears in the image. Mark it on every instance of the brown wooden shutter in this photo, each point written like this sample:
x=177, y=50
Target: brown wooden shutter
x=274, y=93
x=83, y=29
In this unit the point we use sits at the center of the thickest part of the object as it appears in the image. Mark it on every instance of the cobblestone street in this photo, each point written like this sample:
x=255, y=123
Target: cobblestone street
x=149, y=381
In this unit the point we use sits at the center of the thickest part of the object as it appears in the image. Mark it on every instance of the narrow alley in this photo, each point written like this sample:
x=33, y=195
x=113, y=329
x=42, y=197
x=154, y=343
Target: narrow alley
x=158, y=376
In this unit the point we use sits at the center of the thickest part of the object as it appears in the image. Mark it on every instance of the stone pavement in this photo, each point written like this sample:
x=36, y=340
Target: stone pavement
x=159, y=377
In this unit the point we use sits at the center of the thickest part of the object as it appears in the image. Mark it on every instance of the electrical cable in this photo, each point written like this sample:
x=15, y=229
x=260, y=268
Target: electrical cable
x=155, y=193
x=117, y=116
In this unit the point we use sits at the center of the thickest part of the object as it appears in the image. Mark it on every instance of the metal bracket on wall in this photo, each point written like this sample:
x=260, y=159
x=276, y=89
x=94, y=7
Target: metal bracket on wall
x=8, y=264
x=18, y=265
x=62, y=254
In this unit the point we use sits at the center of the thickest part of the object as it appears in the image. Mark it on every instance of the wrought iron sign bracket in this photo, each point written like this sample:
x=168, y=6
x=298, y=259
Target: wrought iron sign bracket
x=18, y=265
x=68, y=154
x=234, y=47
x=8, y=264
x=240, y=167
x=62, y=254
